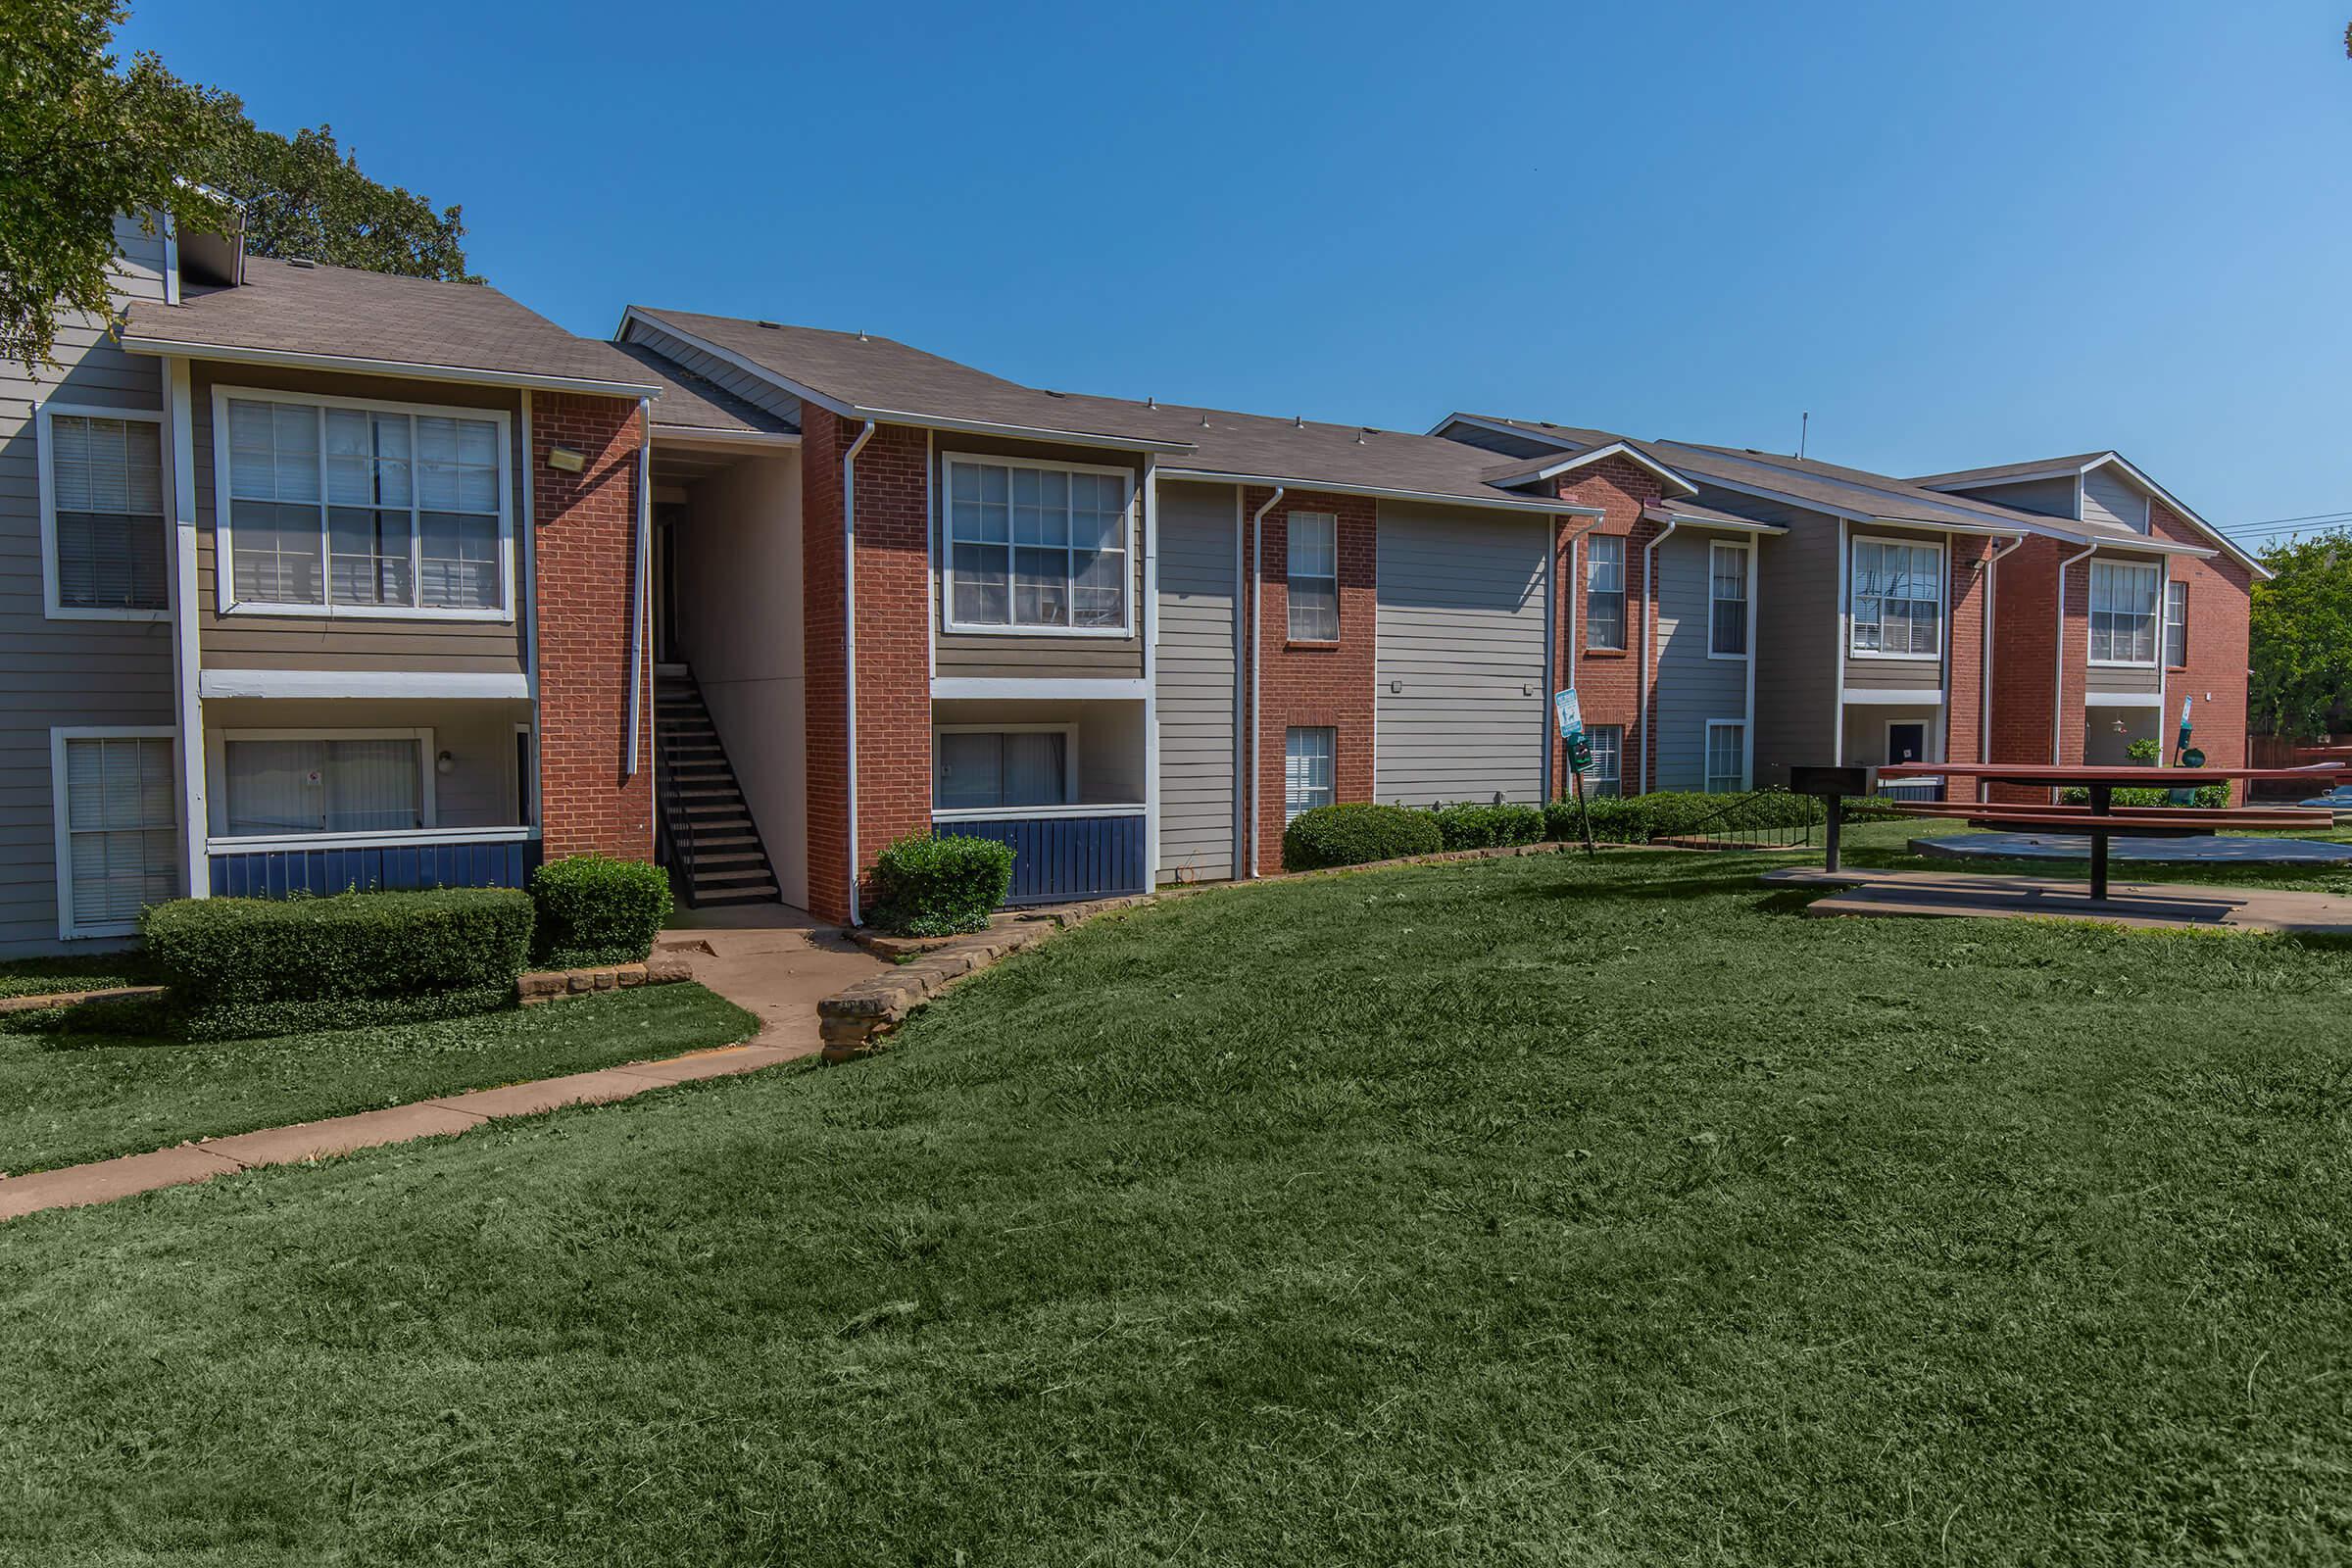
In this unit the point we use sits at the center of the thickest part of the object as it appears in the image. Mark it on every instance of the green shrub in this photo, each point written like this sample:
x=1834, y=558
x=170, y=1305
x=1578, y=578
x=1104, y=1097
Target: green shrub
x=596, y=910
x=2207, y=796
x=1671, y=814
x=2145, y=751
x=1490, y=827
x=1357, y=834
x=241, y=968
x=928, y=885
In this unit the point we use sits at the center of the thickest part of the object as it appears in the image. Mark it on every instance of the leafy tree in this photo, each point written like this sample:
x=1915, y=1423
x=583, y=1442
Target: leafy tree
x=307, y=197
x=2302, y=638
x=81, y=142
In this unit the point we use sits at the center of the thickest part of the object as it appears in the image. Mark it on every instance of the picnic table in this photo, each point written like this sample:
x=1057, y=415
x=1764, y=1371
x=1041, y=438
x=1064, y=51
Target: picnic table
x=2099, y=819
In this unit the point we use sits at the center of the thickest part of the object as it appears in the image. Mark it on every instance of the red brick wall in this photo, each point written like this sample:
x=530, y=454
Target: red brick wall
x=2219, y=604
x=1609, y=685
x=894, y=694
x=584, y=567
x=2025, y=605
x=1313, y=685
x=1965, y=702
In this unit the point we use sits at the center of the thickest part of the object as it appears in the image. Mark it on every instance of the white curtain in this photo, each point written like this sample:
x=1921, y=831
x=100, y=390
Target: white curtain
x=324, y=786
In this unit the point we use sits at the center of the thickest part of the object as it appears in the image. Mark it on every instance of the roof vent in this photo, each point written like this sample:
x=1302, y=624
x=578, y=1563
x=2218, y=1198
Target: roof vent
x=1151, y=403
x=1298, y=422
x=1205, y=422
x=861, y=337
x=1362, y=432
x=771, y=326
x=1050, y=392
x=302, y=261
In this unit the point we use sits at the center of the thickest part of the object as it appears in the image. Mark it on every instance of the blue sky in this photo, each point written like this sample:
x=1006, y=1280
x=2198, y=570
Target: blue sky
x=1956, y=234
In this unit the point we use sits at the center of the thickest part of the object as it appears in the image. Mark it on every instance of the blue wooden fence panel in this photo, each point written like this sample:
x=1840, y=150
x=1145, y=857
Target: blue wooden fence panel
x=275, y=874
x=1059, y=858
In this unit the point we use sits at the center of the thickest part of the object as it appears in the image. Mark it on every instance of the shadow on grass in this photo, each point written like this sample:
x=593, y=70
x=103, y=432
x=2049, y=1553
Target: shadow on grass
x=1680, y=884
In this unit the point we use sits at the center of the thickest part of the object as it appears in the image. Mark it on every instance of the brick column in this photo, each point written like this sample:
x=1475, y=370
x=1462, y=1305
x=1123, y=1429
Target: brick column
x=1313, y=685
x=892, y=675
x=2219, y=591
x=1964, y=696
x=1609, y=684
x=585, y=562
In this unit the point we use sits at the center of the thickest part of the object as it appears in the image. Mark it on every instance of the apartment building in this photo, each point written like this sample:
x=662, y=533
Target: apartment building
x=317, y=578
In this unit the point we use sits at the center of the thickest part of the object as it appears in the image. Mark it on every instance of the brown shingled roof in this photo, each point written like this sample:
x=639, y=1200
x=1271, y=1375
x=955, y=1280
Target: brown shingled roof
x=293, y=312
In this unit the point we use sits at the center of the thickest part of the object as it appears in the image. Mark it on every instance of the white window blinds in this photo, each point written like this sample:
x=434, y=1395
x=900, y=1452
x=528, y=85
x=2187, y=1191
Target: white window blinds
x=321, y=785
x=107, y=498
x=122, y=828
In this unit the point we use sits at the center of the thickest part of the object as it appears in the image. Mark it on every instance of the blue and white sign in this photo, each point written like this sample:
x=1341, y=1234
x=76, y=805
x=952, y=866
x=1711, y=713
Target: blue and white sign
x=1571, y=714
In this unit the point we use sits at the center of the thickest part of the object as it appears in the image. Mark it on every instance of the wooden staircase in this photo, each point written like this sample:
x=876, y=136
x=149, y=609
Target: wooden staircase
x=716, y=855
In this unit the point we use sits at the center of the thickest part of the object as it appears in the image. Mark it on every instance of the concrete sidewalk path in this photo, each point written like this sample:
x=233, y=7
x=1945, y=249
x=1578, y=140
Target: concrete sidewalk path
x=778, y=970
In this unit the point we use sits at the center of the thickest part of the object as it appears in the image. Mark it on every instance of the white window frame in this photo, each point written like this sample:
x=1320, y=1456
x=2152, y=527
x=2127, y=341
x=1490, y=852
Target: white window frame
x=1616, y=780
x=1292, y=574
x=945, y=524
x=1747, y=587
x=1625, y=598
x=225, y=535
x=61, y=815
x=216, y=764
x=1943, y=597
x=1067, y=728
x=2164, y=649
x=1706, y=757
x=2091, y=597
x=1288, y=815
x=45, y=447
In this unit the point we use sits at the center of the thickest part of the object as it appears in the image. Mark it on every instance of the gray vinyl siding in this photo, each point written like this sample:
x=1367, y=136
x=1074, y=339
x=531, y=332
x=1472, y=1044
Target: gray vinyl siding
x=1045, y=656
x=2110, y=678
x=1692, y=688
x=1797, y=639
x=319, y=641
x=756, y=390
x=1194, y=681
x=2045, y=497
x=65, y=672
x=2109, y=497
x=1461, y=637
x=1865, y=672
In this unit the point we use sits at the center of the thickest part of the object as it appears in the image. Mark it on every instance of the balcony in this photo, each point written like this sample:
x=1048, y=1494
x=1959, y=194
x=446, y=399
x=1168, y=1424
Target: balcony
x=325, y=863
x=1061, y=853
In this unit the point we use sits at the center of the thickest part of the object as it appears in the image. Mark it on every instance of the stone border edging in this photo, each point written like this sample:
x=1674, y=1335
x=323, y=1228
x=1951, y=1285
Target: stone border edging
x=538, y=986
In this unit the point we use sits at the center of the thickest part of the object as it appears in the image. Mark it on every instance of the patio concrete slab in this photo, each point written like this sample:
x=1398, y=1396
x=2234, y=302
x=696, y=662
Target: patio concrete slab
x=2223, y=849
x=340, y=1134
x=106, y=1180
x=2152, y=906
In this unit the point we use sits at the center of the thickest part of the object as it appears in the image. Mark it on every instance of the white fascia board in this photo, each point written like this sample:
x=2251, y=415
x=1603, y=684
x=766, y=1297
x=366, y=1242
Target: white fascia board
x=1557, y=508
x=682, y=436
x=1894, y=697
x=1615, y=449
x=171, y=348
x=860, y=412
x=438, y=684
x=2228, y=545
x=1050, y=689
x=1500, y=427
x=2094, y=699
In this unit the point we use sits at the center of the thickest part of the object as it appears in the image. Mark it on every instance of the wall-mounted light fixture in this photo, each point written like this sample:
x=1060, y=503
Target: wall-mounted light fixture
x=565, y=461
x=445, y=764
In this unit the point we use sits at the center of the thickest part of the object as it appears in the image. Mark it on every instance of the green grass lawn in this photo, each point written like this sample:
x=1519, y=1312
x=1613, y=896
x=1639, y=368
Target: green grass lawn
x=67, y=1096
x=1521, y=1211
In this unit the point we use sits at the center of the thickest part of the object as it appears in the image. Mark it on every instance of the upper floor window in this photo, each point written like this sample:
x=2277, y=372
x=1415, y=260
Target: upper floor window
x=1727, y=600
x=102, y=512
x=1604, y=592
x=2124, y=600
x=363, y=509
x=1314, y=580
x=1897, y=599
x=1033, y=546
x=2176, y=623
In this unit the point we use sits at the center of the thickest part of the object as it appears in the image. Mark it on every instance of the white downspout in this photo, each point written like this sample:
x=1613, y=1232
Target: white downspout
x=1650, y=638
x=645, y=532
x=1984, y=673
x=1257, y=636
x=2058, y=671
x=1150, y=625
x=849, y=638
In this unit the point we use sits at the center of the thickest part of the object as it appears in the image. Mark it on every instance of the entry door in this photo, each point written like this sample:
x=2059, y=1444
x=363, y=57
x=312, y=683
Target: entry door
x=1907, y=742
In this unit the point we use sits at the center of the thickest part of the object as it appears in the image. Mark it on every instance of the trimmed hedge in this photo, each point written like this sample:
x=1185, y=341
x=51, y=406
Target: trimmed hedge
x=1357, y=833
x=928, y=885
x=1670, y=813
x=2209, y=795
x=1490, y=827
x=595, y=910
x=242, y=967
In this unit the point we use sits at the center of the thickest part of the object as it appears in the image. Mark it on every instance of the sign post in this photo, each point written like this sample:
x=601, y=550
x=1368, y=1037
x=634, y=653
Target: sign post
x=2186, y=755
x=1580, y=755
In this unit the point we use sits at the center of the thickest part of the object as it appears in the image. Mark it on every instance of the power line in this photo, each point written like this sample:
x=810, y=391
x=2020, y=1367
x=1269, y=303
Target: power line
x=2264, y=524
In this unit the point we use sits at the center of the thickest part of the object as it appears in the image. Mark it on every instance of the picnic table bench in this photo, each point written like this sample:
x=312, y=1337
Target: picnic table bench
x=2099, y=820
